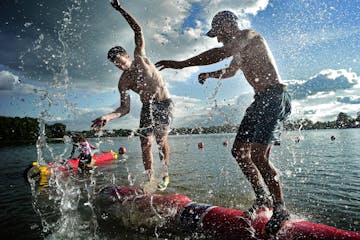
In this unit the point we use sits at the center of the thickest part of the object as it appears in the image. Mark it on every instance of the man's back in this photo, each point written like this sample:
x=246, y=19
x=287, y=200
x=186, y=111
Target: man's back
x=250, y=49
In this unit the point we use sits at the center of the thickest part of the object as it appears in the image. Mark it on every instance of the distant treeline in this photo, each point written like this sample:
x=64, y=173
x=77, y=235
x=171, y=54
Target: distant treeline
x=342, y=121
x=15, y=130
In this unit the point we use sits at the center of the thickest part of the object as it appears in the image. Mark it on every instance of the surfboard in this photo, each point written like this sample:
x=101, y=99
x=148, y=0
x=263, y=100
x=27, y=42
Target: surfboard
x=36, y=171
x=134, y=208
x=99, y=159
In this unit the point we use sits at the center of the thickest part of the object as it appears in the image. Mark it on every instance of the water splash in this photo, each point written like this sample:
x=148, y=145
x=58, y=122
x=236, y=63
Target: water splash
x=214, y=109
x=41, y=142
x=131, y=178
x=42, y=146
x=65, y=205
x=72, y=197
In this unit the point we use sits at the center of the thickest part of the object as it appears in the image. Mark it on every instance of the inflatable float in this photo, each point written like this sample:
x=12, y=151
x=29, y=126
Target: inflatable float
x=136, y=209
x=42, y=172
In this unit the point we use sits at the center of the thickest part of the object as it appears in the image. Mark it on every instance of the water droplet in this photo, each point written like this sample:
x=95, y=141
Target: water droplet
x=27, y=24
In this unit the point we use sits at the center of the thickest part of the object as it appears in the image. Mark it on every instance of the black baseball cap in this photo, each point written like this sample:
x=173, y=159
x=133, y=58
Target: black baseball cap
x=219, y=19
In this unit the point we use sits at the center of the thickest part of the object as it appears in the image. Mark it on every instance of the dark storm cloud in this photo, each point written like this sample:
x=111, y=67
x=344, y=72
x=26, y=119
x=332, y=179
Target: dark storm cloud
x=16, y=34
x=45, y=38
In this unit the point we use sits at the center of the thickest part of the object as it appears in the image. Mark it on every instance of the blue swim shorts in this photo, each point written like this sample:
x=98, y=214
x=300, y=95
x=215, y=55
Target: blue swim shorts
x=262, y=120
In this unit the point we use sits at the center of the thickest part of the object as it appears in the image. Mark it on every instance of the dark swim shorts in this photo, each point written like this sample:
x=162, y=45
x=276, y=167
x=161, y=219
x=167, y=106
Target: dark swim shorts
x=262, y=121
x=155, y=118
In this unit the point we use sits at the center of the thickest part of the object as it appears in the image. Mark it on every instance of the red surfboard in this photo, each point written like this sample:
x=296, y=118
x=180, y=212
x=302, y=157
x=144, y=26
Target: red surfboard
x=42, y=172
x=101, y=158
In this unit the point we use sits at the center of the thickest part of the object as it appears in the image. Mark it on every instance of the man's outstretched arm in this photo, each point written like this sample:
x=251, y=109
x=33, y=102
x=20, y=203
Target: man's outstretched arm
x=139, y=36
x=206, y=58
x=124, y=109
x=222, y=73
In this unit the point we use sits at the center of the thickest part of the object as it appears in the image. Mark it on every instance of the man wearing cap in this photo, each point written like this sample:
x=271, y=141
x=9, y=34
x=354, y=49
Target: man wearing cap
x=260, y=127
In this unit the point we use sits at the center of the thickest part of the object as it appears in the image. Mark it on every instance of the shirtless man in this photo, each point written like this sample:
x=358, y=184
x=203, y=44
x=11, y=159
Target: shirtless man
x=251, y=149
x=142, y=77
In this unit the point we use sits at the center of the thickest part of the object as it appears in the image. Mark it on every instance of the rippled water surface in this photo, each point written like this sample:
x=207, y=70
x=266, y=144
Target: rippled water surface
x=320, y=177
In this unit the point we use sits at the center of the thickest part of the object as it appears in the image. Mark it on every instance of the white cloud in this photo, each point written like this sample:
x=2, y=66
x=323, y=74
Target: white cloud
x=10, y=84
x=240, y=7
x=326, y=110
x=192, y=33
x=160, y=39
x=8, y=81
x=185, y=106
x=325, y=95
x=326, y=81
x=178, y=75
x=332, y=74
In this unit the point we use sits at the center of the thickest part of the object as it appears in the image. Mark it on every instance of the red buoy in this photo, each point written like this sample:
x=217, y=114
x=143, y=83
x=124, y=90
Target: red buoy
x=201, y=145
x=213, y=222
x=122, y=150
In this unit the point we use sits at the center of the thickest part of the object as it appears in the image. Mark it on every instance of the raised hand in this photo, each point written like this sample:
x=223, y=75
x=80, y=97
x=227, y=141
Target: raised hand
x=116, y=4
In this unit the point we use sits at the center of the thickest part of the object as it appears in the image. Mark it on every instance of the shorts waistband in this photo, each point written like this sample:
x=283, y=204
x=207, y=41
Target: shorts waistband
x=166, y=100
x=276, y=88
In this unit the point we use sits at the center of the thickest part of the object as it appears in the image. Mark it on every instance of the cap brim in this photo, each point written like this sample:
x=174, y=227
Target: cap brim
x=211, y=33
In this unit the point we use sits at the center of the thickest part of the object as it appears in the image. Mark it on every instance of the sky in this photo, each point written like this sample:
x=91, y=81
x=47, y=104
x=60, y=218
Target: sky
x=53, y=58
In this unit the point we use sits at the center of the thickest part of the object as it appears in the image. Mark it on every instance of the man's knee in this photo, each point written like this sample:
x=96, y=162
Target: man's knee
x=239, y=151
x=145, y=142
x=272, y=175
x=242, y=157
x=161, y=139
x=269, y=172
x=161, y=142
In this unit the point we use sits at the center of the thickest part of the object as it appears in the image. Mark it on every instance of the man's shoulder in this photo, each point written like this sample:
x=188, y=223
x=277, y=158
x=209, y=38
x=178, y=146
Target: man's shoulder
x=249, y=34
x=248, y=38
x=142, y=58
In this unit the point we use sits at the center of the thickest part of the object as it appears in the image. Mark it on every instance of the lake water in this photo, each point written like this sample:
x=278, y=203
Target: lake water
x=320, y=177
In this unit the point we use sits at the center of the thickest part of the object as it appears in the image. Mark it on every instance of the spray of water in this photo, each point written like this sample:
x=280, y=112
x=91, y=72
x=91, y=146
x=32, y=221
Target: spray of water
x=65, y=205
